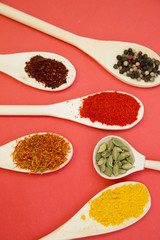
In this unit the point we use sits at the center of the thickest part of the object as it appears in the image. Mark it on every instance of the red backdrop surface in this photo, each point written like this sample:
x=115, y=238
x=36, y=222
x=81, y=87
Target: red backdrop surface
x=31, y=206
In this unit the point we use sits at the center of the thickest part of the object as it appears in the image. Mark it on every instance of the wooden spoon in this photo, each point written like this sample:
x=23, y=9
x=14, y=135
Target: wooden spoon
x=76, y=227
x=139, y=162
x=6, y=160
x=67, y=110
x=14, y=64
x=104, y=52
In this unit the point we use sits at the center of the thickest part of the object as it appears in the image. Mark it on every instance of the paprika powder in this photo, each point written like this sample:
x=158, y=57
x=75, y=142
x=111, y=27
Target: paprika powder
x=111, y=108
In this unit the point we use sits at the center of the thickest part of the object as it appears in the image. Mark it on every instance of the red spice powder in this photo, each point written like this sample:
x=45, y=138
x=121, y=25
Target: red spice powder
x=111, y=108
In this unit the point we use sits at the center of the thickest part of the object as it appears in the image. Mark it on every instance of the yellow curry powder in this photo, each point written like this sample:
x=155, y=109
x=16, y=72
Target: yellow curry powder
x=115, y=206
x=83, y=217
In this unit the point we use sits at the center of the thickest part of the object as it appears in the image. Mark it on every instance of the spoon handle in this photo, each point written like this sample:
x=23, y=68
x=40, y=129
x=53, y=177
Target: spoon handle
x=40, y=25
x=152, y=164
x=92, y=47
x=22, y=110
x=55, y=110
x=66, y=110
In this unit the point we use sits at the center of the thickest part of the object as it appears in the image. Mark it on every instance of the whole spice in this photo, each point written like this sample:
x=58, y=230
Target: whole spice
x=111, y=108
x=137, y=65
x=41, y=152
x=114, y=158
x=48, y=71
x=115, y=206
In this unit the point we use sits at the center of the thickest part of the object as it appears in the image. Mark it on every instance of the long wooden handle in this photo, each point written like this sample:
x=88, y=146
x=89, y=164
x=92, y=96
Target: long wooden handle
x=152, y=164
x=92, y=47
x=39, y=24
x=31, y=110
x=66, y=110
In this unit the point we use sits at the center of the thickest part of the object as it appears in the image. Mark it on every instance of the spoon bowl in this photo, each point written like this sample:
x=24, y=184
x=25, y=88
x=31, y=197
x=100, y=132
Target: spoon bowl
x=6, y=160
x=14, y=64
x=67, y=110
x=139, y=162
x=76, y=227
x=104, y=52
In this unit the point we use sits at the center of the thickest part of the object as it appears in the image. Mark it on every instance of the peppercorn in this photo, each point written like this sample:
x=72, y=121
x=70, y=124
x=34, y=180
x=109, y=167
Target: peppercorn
x=137, y=65
x=125, y=63
x=125, y=52
x=115, y=66
x=119, y=57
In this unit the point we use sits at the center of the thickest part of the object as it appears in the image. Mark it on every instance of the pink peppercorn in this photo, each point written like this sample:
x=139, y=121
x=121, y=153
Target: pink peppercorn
x=139, y=67
x=130, y=57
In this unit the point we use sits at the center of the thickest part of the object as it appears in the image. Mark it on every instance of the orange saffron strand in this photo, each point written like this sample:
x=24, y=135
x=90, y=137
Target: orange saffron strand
x=41, y=152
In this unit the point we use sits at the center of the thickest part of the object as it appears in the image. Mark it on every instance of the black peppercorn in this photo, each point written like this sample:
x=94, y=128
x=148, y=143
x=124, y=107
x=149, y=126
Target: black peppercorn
x=119, y=57
x=125, y=52
x=115, y=66
x=137, y=65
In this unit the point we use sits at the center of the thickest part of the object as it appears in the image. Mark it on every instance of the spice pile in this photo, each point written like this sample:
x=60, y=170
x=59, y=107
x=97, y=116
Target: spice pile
x=137, y=65
x=114, y=158
x=41, y=152
x=111, y=108
x=113, y=207
x=47, y=71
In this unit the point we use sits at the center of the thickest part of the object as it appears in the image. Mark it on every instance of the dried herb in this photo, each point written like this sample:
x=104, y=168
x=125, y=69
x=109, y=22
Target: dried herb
x=41, y=152
x=48, y=71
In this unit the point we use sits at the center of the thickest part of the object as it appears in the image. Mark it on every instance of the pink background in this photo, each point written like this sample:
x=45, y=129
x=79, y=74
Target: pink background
x=31, y=206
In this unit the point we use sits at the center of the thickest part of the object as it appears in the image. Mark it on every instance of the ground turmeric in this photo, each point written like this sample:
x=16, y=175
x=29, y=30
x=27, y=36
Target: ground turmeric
x=115, y=206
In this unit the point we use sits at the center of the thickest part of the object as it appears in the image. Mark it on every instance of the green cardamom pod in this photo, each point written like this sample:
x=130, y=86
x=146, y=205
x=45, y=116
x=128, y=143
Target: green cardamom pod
x=110, y=161
x=117, y=142
x=122, y=171
x=106, y=153
x=103, y=147
x=127, y=166
x=125, y=149
x=110, y=145
x=100, y=162
x=115, y=153
x=102, y=167
x=98, y=156
x=123, y=155
x=108, y=172
x=124, y=161
x=116, y=169
x=129, y=159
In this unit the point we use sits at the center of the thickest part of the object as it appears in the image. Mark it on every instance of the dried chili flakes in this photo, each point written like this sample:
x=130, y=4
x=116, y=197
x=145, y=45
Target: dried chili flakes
x=48, y=71
x=41, y=152
x=111, y=108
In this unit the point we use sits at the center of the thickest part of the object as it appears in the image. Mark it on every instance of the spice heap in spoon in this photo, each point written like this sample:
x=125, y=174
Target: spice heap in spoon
x=114, y=158
x=137, y=65
x=116, y=206
x=111, y=108
x=48, y=71
x=41, y=152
